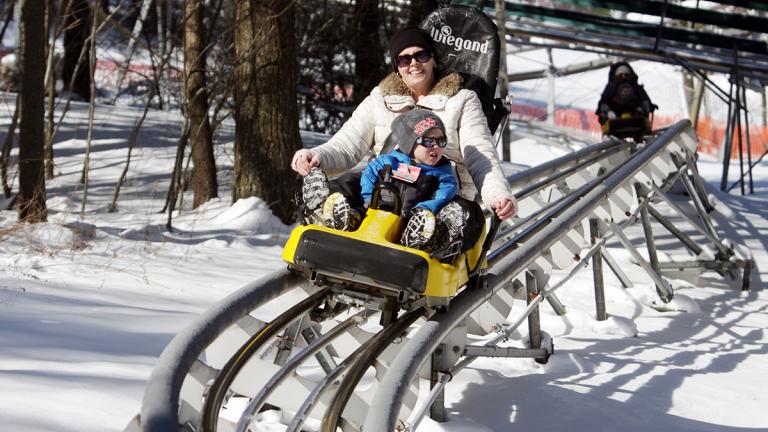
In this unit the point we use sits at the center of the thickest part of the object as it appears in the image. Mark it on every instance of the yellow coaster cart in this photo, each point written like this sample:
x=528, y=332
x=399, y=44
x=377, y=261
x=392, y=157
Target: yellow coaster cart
x=369, y=266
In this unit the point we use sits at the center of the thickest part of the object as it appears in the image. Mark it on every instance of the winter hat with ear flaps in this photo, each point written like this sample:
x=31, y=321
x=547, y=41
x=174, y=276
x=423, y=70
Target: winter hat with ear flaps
x=411, y=125
x=408, y=37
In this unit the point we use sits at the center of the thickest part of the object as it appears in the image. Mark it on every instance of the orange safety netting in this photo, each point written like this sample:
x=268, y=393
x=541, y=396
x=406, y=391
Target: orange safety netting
x=710, y=132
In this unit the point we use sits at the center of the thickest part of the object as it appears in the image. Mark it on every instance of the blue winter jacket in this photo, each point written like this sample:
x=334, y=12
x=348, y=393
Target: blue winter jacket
x=445, y=191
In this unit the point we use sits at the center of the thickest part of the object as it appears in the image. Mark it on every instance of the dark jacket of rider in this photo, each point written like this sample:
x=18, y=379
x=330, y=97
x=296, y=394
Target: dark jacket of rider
x=623, y=95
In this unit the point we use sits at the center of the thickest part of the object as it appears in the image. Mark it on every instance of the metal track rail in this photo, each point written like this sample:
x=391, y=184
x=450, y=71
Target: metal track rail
x=559, y=195
x=355, y=365
x=507, y=330
x=160, y=405
x=507, y=262
x=260, y=399
x=222, y=382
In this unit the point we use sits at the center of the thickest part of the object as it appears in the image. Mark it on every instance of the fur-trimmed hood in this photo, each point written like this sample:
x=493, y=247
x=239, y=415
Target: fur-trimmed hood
x=398, y=98
x=393, y=85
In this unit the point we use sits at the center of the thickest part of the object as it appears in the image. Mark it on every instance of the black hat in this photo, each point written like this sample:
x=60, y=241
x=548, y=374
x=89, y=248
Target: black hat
x=411, y=125
x=612, y=72
x=408, y=37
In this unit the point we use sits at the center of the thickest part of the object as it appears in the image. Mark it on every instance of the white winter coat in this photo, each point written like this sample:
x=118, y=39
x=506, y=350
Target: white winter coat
x=470, y=146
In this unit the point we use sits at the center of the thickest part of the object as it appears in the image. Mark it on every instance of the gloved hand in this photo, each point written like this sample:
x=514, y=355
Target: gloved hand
x=611, y=115
x=644, y=108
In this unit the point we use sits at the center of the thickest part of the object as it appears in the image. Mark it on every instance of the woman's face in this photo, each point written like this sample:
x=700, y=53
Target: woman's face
x=417, y=76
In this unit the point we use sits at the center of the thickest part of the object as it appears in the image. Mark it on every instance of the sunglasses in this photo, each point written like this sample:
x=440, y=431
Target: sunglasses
x=404, y=60
x=429, y=142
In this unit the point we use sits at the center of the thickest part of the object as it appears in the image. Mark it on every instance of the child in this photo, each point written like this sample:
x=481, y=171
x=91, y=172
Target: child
x=423, y=177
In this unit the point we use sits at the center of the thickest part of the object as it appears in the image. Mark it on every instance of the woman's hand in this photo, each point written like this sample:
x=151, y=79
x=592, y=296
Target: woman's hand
x=505, y=207
x=303, y=161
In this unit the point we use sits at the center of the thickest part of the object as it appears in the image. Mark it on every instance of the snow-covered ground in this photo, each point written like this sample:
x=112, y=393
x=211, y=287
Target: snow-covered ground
x=87, y=305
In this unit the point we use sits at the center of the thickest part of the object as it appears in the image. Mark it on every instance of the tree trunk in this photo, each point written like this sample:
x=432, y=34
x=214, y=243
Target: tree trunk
x=50, y=86
x=197, y=105
x=135, y=35
x=7, y=146
x=91, y=111
x=173, y=190
x=131, y=144
x=266, y=115
x=31, y=137
x=77, y=25
x=167, y=15
x=367, y=47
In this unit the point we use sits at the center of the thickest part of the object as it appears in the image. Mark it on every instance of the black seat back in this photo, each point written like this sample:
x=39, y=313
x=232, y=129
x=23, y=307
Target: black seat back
x=467, y=42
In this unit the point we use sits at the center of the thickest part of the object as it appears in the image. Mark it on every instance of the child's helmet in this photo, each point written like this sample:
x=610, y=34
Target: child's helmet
x=411, y=125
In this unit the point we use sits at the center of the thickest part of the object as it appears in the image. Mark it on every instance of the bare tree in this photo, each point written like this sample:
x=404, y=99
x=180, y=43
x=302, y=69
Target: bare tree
x=266, y=115
x=164, y=18
x=7, y=16
x=325, y=34
x=91, y=107
x=173, y=190
x=131, y=144
x=135, y=34
x=7, y=146
x=197, y=104
x=154, y=90
x=31, y=203
x=367, y=46
x=54, y=30
x=77, y=28
x=84, y=53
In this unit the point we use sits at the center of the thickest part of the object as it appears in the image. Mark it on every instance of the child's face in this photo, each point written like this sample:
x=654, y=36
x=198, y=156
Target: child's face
x=432, y=155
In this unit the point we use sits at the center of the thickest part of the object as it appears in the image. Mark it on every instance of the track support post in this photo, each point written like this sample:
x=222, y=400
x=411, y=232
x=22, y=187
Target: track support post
x=650, y=243
x=437, y=410
x=616, y=268
x=556, y=304
x=747, y=274
x=597, y=272
x=701, y=189
x=664, y=290
x=534, y=320
x=684, y=239
x=287, y=340
x=696, y=199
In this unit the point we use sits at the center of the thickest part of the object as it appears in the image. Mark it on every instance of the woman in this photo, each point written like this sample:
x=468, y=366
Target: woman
x=416, y=82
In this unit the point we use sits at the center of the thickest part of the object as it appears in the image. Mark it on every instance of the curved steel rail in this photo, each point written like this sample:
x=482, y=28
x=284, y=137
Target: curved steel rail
x=160, y=404
x=221, y=384
x=357, y=363
x=260, y=399
x=506, y=264
x=507, y=330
